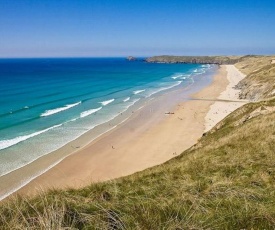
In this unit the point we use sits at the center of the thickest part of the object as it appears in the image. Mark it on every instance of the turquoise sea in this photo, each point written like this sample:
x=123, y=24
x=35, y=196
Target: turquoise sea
x=46, y=103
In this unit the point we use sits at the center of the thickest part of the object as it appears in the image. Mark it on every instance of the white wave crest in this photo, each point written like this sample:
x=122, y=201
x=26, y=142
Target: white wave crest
x=107, y=102
x=126, y=99
x=8, y=143
x=177, y=75
x=133, y=102
x=57, y=110
x=138, y=91
x=89, y=112
x=206, y=66
x=165, y=88
x=182, y=76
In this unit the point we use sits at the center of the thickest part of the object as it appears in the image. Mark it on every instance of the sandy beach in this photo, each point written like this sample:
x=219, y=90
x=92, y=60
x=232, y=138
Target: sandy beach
x=148, y=138
x=227, y=101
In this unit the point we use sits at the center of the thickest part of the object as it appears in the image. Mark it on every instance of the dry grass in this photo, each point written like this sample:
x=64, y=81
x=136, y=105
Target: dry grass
x=226, y=181
x=259, y=84
x=250, y=63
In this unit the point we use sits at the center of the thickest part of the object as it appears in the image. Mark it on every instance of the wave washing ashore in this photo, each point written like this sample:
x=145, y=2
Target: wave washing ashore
x=48, y=103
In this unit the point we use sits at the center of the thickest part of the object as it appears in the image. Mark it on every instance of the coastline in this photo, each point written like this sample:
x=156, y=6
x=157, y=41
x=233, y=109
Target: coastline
x=14, y=180
x=130, y=147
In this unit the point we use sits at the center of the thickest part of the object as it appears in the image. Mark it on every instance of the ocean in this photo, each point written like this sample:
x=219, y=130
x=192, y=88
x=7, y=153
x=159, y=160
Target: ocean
x=47, y=103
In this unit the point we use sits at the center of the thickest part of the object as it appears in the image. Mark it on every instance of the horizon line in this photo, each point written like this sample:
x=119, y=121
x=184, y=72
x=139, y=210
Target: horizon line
x=125, y=56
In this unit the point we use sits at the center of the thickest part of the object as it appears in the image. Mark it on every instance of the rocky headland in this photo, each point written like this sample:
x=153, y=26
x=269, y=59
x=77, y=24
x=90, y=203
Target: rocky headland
x=260, y=71
x=221, y=60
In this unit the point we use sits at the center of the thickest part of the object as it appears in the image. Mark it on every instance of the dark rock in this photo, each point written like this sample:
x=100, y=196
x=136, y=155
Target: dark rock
x=131, y=58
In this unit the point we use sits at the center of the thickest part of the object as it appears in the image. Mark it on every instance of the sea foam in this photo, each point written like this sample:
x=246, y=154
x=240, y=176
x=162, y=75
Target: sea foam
x=132, y=103
x=89, y=112
x=57, y=110
x=138, y=91
x=176, y=75
x=126, y=99
x=107, y=102
x=8, y=143
x=165, y=88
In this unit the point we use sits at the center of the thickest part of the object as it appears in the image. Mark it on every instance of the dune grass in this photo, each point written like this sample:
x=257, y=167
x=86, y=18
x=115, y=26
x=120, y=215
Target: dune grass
x=258, y=84
x=226, y=181
x=251, y=63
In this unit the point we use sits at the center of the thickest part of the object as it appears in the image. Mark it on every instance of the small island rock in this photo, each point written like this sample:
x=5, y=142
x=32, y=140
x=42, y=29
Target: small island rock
x=131, y=58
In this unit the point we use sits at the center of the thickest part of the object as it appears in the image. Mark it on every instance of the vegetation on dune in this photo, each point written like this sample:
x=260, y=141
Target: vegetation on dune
x=225, y=181
x=258, y=84
x=251, y=63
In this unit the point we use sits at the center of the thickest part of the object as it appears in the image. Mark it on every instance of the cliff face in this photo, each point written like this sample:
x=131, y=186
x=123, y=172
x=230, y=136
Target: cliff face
x=260, y=80
x=259, y=84
x=195, y=59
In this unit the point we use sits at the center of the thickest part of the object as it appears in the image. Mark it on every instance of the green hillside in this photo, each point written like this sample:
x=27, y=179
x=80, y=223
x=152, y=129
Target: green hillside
x=226, y=181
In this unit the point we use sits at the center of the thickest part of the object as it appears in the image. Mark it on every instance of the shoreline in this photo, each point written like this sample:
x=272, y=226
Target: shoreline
x=109, y=161
x=15, y=180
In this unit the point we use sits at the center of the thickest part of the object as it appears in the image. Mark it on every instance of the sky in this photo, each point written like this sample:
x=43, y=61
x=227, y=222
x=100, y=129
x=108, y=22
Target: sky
x=109, y=28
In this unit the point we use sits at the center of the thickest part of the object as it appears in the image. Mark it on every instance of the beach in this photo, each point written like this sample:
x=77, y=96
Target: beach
x=45, y=117
x=227, y=101
x=149, y=137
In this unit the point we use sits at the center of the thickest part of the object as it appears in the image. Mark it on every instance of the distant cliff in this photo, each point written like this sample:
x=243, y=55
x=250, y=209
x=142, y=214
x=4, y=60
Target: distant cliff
x=220, y=60
x=260, y=70
x=260, y=80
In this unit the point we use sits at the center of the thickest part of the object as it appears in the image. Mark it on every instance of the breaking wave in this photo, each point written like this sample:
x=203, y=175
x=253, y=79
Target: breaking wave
x=57, y=110
x=89, y=112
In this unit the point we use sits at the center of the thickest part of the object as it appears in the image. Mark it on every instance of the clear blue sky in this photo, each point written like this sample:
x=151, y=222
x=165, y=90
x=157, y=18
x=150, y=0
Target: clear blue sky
x=57, y=28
